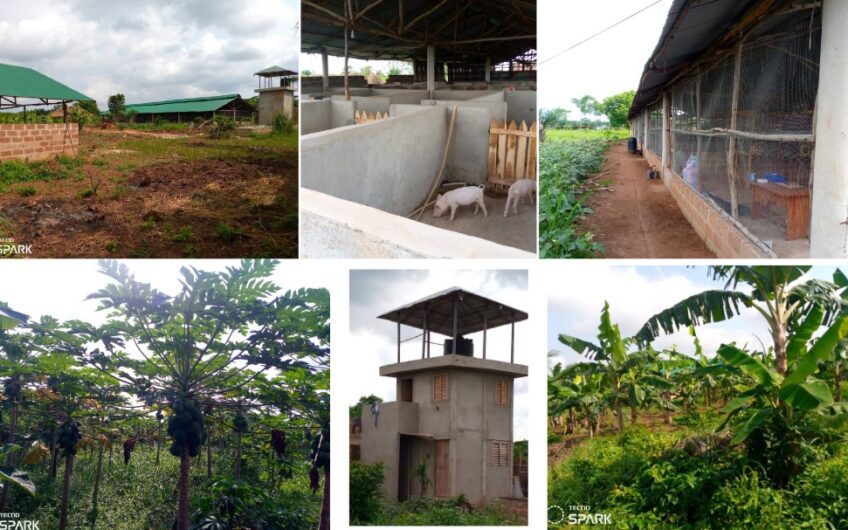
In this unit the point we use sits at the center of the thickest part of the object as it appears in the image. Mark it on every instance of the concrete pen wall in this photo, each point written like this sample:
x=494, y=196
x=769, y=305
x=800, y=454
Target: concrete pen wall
x=387, y=164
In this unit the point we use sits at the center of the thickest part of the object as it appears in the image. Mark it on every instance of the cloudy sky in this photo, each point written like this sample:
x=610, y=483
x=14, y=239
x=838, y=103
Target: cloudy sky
x=59, y=287
x=637, y=293
x=373, y=342
x=151, y=49
x=606, y=65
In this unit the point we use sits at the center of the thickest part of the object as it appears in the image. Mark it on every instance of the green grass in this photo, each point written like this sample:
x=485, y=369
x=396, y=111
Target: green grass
x=443, y=512
x=587, y=134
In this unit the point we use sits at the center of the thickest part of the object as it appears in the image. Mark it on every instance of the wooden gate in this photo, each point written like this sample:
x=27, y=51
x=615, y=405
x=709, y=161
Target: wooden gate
x=512, y=152
x=441, y=472
x=365, y=117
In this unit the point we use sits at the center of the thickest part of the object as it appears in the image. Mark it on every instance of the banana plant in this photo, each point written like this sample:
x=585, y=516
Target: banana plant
x=771, y=414
x=779, y=294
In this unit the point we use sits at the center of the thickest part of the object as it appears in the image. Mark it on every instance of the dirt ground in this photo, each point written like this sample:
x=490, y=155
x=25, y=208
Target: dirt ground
x=148, y=195
x=517, y=231
x=638, y=217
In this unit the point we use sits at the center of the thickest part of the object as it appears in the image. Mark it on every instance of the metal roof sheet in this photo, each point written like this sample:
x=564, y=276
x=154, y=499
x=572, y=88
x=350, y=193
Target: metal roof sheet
x=472, y=311
x=205, y=104
x=23, y=82
x=691, y=27
x=273, y=71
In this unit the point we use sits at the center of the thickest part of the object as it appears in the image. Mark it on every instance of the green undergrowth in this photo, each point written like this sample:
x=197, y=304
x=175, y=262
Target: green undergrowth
x=647, y=480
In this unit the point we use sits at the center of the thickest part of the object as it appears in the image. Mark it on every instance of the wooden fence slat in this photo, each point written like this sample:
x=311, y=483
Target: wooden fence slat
x=493, y=148
x=510, y=152
x=531, y=152
x=502, y=155
x=521, y=154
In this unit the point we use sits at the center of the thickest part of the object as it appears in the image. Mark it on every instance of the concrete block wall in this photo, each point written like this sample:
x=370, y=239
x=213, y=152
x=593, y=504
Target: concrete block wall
x=716, y=228
x=37, y=141
x=321, y=115
x=386, y=164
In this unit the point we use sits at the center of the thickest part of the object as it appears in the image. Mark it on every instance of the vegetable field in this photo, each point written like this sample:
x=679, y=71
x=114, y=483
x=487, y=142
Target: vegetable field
x=740, y=437
x=567, y=160
x=206, y=407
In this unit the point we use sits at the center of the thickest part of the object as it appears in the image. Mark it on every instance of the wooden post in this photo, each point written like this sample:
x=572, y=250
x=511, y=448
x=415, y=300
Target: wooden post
x=424, y=336
x=346, y=85
x=665, y=156
x=647, y=115
x=512, y=343
x=698, y=117
x=65, y=111
x=398, y=341
x=453, y=346
x=731, y=152
x=485, y=327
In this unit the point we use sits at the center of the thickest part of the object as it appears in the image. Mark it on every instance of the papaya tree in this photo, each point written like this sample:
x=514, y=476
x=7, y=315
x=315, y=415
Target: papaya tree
x=217, y=334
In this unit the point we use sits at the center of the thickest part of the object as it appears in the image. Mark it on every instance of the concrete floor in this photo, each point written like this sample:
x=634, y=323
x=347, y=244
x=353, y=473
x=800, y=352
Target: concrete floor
x=518, y=231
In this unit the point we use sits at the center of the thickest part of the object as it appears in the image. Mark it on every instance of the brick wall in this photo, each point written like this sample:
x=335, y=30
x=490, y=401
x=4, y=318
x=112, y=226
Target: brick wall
x=721, y=235
x=37, y=141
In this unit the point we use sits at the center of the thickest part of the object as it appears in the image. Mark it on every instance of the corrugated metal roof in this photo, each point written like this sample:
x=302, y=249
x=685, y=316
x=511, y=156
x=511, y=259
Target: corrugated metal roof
x=474, y=312
x=691, y=27
x=275, y=71
x=206, y=104
x=22, y=82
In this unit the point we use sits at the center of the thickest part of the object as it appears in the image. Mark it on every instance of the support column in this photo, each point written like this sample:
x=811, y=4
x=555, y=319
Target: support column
x=666, y=157
x=647, y=118
x=734, y=114
x=325, y=69
x=455, y=320
x=488, y=69
x=828, y=228
x=398, y=341
x=485, y=328
x=431, y=71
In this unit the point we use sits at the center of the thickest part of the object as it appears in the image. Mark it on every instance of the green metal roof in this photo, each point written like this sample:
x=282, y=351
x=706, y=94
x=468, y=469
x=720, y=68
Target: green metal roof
x=207, y=104
x=275, y=70
x=19, y=81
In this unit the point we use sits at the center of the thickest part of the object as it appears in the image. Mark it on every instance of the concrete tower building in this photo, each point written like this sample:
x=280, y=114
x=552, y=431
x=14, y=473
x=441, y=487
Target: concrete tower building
x=450, y=431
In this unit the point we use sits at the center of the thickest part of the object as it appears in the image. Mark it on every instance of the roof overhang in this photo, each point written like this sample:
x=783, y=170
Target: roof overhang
x=692, y=28
x=474, y=313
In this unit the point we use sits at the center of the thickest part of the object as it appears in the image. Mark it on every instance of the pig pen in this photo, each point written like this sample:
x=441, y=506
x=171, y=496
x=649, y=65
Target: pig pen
x=390, y=165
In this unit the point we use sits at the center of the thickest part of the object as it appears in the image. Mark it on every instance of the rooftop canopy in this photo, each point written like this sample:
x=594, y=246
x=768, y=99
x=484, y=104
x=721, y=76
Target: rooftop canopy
x=173, y=106
x=460, y=30
x=21, y=82
x=692, y=27
x=473, y=313
x=275, y=71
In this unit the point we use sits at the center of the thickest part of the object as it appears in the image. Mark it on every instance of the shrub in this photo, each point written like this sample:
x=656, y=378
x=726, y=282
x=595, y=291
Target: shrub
x=27, y=191
x=748, y=502
x=281, y=124
x=223, y=126
x=366, y=483
x=227, y=232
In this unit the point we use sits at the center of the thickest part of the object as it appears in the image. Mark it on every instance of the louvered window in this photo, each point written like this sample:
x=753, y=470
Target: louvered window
x=499, y=453
x=440, y=387
x=502, y=392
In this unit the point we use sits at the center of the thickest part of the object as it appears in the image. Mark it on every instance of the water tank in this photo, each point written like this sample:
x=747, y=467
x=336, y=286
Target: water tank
x=631, y=145
x=463, y=347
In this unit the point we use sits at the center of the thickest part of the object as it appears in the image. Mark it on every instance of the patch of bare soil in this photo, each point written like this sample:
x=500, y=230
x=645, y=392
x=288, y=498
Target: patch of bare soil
x=517, y=231
x=638, y=217
x=205, y=208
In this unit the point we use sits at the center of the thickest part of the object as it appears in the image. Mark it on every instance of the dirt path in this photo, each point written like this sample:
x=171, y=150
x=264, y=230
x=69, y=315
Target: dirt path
x=639, y=218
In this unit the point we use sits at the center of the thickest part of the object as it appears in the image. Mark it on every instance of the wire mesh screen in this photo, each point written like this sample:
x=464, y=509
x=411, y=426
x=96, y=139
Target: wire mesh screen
x=769, y=140
x=655, y=130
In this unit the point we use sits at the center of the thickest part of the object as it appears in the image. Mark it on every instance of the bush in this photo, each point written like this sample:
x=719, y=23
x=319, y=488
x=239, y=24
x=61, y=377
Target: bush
x=748, y=502
x=423, y=511
x=366, y=483
x=27, y=191
x=281, y=124
x=223, y=126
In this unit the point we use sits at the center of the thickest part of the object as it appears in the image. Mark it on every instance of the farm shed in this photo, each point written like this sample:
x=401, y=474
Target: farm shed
x=276, y=91
x=22, y=87
x=466, y=116
x=741, y=107
x=179, y=110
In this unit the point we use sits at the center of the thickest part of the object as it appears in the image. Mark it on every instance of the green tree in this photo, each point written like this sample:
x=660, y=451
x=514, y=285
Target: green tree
x=554, y=118
x=356, y=410
x=218, y=334
x=587, y=105
x=306, y=73
x=116, y=106
x=616, y=108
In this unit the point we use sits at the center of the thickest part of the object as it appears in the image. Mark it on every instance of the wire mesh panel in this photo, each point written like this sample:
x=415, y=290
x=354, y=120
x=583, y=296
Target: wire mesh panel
x=755, y=163
x=655, y=126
